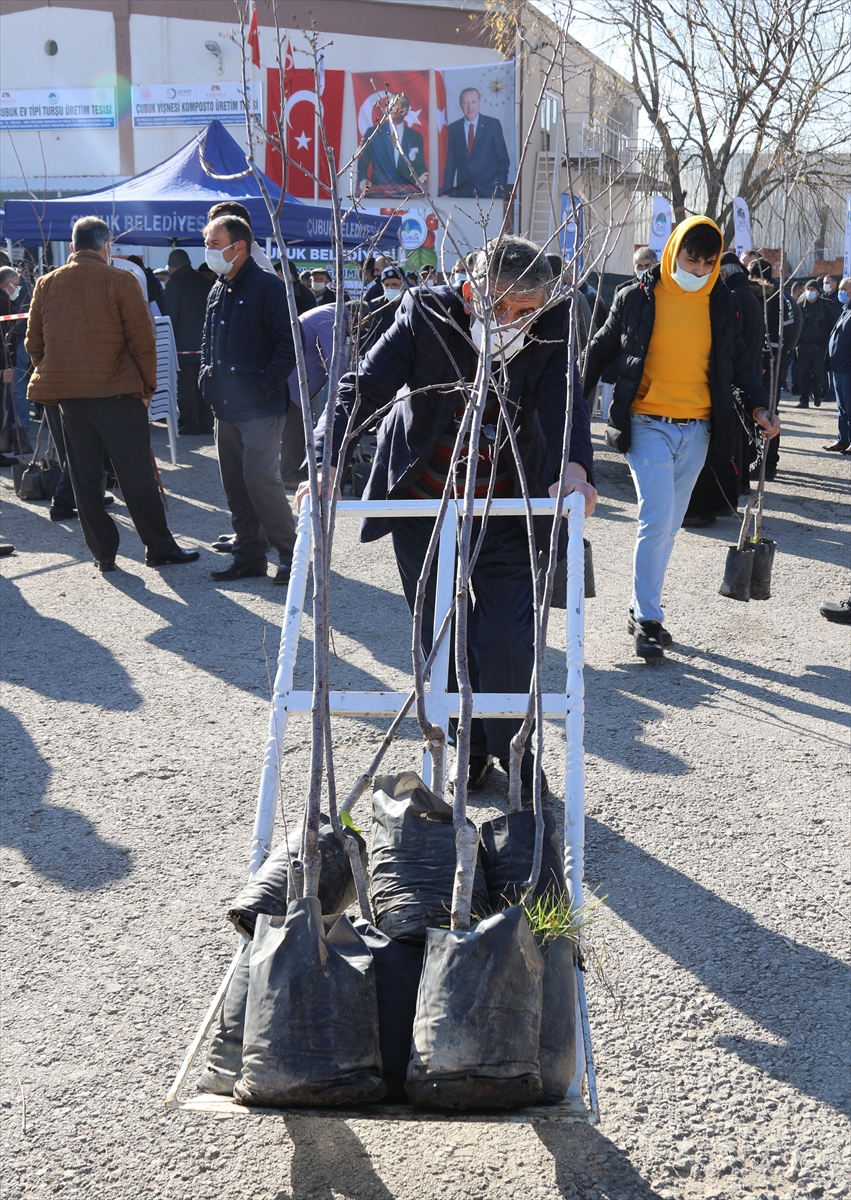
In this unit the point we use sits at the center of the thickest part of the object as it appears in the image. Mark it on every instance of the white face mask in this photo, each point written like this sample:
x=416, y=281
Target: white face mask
x=216, y=261
x=391, y=293
x=318, y=287
x=812, y=295
x=505, y=340
x=827, y=288
x=689, y=282
x=14, y=295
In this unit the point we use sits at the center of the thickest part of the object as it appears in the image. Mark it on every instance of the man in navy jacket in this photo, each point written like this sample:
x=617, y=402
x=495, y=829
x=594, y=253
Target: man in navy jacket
x=246, y=356
x=839, y=358
x=432, y=351
x=477, y=161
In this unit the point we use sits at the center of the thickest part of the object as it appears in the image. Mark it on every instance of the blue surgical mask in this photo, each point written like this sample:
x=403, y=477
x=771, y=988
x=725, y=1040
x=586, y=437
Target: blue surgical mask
x=843, y=297
x=812, y=295
x=14, y=295
x=391, y=293
x=689, y=282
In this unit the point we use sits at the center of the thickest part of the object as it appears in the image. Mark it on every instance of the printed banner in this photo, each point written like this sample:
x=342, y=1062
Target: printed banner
x=573, y=233
x=159, y=104
x=392, y=159
x=742, y=226
x=299, y=117
x=661, y=224
x=476, y=128
x=61, y=108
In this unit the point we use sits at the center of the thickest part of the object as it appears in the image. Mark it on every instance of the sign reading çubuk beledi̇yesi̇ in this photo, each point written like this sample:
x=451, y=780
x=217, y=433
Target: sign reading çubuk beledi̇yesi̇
x=160, y=104
x=58, y=108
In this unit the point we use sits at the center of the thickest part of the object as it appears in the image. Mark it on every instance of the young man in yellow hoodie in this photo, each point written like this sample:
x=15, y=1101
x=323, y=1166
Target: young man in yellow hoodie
x=676, y=337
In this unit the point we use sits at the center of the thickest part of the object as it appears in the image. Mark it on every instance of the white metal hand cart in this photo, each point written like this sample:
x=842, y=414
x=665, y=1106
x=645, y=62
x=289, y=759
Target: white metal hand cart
x=580, y=1104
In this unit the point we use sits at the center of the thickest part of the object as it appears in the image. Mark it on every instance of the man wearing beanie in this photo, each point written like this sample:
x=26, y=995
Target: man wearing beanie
x=676, y=335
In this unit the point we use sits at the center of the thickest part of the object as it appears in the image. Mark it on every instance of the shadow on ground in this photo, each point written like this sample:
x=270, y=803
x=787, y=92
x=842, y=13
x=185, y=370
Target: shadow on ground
x=799, y=995
x=58, y=843
x=330, y=1161
x=61, y=662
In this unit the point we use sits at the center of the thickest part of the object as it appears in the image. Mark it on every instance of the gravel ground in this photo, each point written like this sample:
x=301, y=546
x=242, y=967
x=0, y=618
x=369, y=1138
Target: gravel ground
x=134, y=722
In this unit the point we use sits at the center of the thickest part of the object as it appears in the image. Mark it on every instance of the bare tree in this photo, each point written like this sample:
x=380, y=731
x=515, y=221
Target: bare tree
x=730, y=86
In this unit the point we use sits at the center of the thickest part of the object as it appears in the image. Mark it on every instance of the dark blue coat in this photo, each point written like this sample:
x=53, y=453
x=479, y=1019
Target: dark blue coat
x=247, y=352
x=425, y=351
x=485, y=171
x=839, y=347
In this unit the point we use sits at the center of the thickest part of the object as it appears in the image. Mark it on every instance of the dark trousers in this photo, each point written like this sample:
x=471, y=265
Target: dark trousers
x=810, y=372
x=63, y=497
x=501, y=632
x=119, y=426
x=195, y=414
x=250, y=465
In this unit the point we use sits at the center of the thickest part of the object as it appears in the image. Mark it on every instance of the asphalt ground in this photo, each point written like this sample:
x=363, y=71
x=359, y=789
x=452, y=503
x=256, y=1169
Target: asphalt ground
x=135, y=709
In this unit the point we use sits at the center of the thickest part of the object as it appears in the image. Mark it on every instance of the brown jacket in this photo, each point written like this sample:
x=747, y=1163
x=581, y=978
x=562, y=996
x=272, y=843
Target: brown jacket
x=90, y=333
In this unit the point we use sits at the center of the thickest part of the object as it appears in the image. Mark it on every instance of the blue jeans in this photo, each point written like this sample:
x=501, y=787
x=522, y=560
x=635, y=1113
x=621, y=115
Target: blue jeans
x=665, y=461
x=842, y=387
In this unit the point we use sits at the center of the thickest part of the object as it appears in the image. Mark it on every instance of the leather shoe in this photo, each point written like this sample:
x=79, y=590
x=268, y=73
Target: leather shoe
x=803, y=404
x=242, y=570
x=282, y=575
x=177, y=556
x=8, y=460
x=58, y=512
x=105, y=564
x=108, y=499
x=842, y=447
x=480, y=766
x=224, y=543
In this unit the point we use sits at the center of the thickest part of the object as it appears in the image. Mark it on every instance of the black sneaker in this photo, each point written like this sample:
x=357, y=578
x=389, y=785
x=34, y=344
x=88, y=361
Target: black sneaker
x=282, y=575
x=647, y=639
x=839, y=613
x=633, y=626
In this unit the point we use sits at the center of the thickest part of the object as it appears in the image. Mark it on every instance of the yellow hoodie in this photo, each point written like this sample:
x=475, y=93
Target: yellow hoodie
x=676, y=371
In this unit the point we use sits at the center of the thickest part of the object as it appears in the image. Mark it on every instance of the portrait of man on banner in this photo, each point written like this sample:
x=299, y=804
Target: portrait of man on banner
x=476, y=149
x=393, y=131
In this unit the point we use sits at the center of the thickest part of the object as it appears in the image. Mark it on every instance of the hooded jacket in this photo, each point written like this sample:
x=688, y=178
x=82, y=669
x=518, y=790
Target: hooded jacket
x=625, y=339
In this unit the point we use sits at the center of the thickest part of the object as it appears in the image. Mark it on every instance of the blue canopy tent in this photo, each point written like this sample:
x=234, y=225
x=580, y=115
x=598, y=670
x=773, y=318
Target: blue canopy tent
x=168, y=205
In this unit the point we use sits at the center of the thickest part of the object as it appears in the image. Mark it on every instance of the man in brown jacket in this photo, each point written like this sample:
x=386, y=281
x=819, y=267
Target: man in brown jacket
x=92, y=343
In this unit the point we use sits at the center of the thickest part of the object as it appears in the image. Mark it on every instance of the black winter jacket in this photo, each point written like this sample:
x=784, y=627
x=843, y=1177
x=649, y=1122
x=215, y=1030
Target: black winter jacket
x=185, y=301
x=625, y=339
x=248, y=351
x=818, y=322
x=753, y=317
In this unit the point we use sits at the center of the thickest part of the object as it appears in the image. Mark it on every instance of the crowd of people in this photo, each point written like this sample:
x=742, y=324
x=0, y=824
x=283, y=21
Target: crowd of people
x=693, y=426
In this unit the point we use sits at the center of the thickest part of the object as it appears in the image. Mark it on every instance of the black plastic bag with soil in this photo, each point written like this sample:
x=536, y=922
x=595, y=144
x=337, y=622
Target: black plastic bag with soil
x=478, y=1022
x=557, y=1054
x=311, y=1021
x=738, y=568
x=508, y=845
x=412, y=861
x=224, y=1057
x=266, y=891
x=398, y=967
x=763, y=561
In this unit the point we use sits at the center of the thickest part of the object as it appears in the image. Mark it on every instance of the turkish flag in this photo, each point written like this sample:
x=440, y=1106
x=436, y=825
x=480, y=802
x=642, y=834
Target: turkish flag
x=371, y=91
x=254, y=37
x=299, y=118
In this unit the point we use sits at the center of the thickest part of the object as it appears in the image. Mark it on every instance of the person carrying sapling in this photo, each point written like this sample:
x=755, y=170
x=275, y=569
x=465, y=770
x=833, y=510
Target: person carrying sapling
x=427, y=360
x=676, y=335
